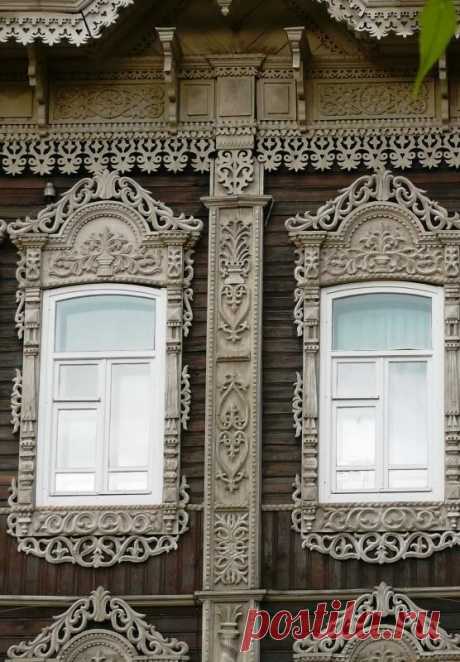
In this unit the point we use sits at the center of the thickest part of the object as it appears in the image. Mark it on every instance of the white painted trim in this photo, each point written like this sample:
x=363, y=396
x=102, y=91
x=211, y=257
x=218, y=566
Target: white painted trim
x=435, y=379
x=44, y=450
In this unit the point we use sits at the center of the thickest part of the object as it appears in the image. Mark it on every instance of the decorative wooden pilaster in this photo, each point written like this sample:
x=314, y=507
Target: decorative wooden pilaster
x=452, y=394
x=233, y=463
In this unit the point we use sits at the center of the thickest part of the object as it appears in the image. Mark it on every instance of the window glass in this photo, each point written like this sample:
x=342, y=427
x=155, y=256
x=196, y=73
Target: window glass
x=355, y=436
x=356, y=380
x=78, y=382
x=407, y=413
x=130, y=412
x=105, y=323
x=382, y=321
x=76, y=438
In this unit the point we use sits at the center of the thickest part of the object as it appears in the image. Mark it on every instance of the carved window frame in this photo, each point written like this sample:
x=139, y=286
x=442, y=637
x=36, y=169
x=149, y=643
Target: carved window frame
x=115, y=628
x=406, y=647
x=105, y=229
x=414, y=239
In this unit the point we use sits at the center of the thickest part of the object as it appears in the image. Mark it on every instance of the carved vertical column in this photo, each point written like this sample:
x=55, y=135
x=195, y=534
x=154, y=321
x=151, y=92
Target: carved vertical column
x=452, y=394
x=233, y=462
x=307, y=314
x=29, y=270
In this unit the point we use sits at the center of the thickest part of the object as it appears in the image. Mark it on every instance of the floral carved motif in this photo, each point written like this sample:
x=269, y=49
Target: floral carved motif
x=380, y=227
x=127, y=633
x=110, y=102
x=233, y=423
x=106, y=254
x=235, y=264
x=297, y=405
x=231, y=548
x=382, y=251
x=368, y=99
x=407, y=648
x=229, y=632
x=235, y=170
x=104, y=229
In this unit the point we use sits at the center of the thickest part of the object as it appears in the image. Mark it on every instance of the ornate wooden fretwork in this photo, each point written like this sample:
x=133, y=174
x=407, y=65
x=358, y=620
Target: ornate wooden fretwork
x=380, y=227
x=100, y=627
x=405, y=648
x=105, y=229
x=63, y=24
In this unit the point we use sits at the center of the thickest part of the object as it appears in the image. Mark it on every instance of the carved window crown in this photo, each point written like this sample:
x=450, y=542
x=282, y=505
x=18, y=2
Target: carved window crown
x=117, y=632
x=380, y=228
x=106, y=230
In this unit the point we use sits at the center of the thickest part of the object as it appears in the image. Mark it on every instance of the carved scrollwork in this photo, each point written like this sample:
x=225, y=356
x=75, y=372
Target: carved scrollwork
x=94, y=538
x=408, y=646
x=382, y=186
x=235, y=170
x=233, y=443
x=16, y=401
x=297, y=405
x=106, y=229
x=186, y=398
x=380, y=227
x=106, y=253
x=69, y=635
x=231, y=548
x=106, y=186
x=235, y=264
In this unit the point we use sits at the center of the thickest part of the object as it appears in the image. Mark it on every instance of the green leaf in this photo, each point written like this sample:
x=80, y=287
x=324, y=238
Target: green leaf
x=438, y=24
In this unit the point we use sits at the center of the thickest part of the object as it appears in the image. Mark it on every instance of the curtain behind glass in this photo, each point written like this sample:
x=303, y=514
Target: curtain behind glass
x=379, y=322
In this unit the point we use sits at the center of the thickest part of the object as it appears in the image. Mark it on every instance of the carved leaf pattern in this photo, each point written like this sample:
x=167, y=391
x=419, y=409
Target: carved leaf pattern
x=234, y=266
x=106, y=254
x=235, y=170
x=16, y=402
x=231, y=548
x=233, y=422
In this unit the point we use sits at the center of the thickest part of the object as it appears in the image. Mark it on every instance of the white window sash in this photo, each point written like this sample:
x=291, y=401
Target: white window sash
x=330, y=400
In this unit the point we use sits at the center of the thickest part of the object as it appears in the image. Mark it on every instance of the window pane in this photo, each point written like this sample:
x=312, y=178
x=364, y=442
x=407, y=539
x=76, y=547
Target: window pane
x=76, y=438
x=408, y=479
x=78, y=382
x=107, y=323
x=128, y=482
x=75, y=483
x=355, y=436
x=347, y=481
x=356, y=380
x=381, y=322
x=408, y=413
x=130, y=414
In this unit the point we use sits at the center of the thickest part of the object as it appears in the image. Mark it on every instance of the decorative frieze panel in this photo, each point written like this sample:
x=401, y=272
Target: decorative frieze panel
x=194, y=146
x=406, y=646
x=108, y=102
x=100, y=627
x=105, y=229
x=370, y=100
x=380, y=227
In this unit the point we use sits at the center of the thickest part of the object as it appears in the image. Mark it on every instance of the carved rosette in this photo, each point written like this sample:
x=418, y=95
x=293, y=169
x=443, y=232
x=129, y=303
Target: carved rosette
x=105, y=229
x=406, y=648
x=100, y=627
x=381, y=227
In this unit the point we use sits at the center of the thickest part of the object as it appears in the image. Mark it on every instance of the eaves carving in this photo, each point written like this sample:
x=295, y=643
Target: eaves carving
x=119, y=628
x=52, y=27
x=378, y=21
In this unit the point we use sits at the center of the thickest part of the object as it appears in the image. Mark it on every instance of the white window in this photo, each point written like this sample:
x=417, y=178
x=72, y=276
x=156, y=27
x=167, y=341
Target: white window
x=102, y=396
x=381, y=403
